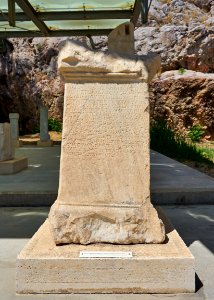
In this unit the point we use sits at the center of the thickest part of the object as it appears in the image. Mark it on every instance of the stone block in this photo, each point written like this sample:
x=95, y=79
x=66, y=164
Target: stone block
x=6, y=143
x=43, y=267
x=13, y=166
x=45, y=143
x=14, y=123
x=121, y=39
x=44, y=135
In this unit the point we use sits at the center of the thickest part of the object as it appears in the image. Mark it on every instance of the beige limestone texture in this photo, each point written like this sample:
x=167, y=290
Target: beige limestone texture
x=43, y=267
x=6, y=143
x=79, y=64
x=121, y=39
x=104, y=188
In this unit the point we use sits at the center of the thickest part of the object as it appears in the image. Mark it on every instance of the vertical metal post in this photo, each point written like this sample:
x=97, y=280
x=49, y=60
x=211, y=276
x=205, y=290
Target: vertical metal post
x=11, y=13
x=144, y=11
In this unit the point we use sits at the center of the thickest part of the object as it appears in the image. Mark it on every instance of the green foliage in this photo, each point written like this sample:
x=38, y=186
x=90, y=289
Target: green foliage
x=36, y=129
x=54, y=125
x=39, y=47
x=165, y=141
x=207, y=152
x=196, y=133
x=181, y=71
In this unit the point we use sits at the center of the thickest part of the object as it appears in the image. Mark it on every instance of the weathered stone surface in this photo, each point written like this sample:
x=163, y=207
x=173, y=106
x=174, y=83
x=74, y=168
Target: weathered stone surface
x=44, y=135
x=121, y=39
x=108, y=224
x=29, y=79
x=9, y=164
x=43, y=267
x=104, y=189
x=14, y=125
x=179, y=46
x=78, y=65
x=181, y=32
x=6, y=144
x=184, y=100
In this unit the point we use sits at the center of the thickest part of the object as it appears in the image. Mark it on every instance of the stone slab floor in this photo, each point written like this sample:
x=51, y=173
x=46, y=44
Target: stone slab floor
x=171, y=181
x=195, y=224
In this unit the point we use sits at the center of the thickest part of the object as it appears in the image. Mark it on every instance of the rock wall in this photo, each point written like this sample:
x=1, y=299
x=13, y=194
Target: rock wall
x=182, y=32
x=184, y=100
x=29, y=78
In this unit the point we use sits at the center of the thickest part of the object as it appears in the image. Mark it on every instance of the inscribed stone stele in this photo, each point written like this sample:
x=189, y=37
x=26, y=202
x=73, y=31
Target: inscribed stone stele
x=104, y=188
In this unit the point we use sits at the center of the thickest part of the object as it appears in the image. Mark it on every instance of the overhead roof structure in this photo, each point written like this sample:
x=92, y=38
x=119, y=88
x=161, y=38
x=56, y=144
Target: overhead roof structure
x=51, y=18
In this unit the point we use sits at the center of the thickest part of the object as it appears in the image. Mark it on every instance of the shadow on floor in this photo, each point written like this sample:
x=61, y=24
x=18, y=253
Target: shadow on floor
x=21, y=222
x=193, y=223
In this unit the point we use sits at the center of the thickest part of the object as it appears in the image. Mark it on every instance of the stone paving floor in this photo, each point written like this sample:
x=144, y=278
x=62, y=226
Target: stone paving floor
x=195, y=224
x=171, y=181
x=39, y=184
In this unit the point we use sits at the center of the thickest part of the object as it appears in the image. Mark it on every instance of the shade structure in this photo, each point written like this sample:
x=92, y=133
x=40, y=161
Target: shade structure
x=29, y=18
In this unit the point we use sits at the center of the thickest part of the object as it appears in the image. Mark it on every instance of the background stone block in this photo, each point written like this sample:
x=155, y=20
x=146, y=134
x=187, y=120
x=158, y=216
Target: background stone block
x=6, y=144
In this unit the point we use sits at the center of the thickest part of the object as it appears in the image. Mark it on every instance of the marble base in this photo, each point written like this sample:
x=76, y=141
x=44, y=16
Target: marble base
x=13, y=166
x=43, y=267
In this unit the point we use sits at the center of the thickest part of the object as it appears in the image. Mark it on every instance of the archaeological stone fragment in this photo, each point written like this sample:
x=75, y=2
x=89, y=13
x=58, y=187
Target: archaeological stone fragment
x=104, y=188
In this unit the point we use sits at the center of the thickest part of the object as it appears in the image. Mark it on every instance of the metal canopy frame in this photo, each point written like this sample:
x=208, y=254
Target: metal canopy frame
x=40, y=18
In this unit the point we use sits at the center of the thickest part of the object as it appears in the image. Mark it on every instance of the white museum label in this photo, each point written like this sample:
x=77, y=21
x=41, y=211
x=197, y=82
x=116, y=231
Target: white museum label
x=105, y=254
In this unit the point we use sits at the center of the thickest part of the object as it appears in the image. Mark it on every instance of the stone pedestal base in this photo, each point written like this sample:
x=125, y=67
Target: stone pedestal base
x=167, y=268
x=45, y=143
x=17, y=143
x=115, y=225
x=13, y=166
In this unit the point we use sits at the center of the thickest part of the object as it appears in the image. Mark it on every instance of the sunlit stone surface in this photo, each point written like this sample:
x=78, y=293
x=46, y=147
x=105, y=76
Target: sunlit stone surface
x=104, y=188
